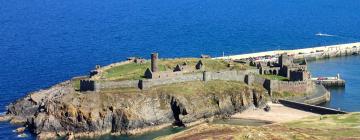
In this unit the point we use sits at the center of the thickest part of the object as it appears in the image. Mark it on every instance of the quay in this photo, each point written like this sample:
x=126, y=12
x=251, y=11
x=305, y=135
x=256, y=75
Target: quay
x=330, y=81
x=310, y=108
x=306, y=53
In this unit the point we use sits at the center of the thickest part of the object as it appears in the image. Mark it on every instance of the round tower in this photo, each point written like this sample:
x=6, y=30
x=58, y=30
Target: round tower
x=154, y=58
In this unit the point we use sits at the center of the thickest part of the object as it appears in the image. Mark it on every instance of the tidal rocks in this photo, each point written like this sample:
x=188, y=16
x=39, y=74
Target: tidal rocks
x=5, y=118
x=20, y=130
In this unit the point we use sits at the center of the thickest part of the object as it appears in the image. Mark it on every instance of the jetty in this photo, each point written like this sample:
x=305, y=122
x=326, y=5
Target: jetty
x=330, y=81
x=310, y=108
x=306, y=53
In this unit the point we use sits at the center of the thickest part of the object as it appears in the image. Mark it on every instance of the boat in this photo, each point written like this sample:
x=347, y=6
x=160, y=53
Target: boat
x=321, y=34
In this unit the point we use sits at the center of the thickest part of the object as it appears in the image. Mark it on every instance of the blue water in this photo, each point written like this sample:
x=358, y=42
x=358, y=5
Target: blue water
x=43, y=42
x=348, y=67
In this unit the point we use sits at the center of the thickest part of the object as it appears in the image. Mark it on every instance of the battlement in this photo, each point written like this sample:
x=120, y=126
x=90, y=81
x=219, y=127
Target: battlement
x=182, y=72
x=87, y=85
x=247, y=76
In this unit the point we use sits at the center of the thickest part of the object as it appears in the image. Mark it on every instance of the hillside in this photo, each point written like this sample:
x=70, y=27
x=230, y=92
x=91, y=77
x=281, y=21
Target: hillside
x=324, y=127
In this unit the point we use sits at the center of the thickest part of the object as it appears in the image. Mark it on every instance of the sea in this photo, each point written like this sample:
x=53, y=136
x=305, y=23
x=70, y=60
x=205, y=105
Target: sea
x=44, y=42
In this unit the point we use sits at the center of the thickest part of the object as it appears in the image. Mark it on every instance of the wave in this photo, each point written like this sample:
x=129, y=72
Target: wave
x=326, y=35
x=22, y=135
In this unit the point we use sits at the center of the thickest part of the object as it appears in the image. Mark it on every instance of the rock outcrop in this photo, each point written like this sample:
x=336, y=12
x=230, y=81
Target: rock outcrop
x=59, y=110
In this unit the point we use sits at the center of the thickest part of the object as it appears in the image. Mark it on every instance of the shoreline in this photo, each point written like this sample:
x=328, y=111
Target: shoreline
x=133, y=132
x=278, y=113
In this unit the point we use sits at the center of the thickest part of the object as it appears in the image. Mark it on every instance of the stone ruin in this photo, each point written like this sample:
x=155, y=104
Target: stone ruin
x=179, y=69
x=137, y=60
x=297, y=74
x=285, y=67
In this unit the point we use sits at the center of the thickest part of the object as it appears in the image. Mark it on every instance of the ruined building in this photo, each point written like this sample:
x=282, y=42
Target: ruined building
x=154, y=73
x=285, y=67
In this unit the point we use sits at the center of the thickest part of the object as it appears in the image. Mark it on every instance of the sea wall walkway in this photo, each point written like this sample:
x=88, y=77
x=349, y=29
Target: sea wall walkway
x=310, y=108
x=318, y=95
x=315, y=52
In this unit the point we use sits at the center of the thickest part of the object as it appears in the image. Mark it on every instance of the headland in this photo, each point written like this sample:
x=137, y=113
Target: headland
x=139, y=95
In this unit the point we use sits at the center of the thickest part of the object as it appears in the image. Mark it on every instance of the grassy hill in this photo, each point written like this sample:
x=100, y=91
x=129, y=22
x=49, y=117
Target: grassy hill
x=325, y=127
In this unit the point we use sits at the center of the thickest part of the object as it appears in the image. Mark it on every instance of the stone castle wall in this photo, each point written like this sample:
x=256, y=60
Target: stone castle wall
x=291, y=86
x=87, y=85
x=90, y=85
x=280, y=86
x=248, y=77
x=225, y=75
x=252, y=79
x=148, y=83
x=99, y=85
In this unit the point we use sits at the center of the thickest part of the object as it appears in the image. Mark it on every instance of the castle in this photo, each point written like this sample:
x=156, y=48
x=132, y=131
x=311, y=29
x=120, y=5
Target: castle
x=284, y=67
x=297, y=74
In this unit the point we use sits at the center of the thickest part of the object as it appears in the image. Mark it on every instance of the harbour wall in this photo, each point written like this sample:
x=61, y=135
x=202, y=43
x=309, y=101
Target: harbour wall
x=308, y=53
x=331, y=83
x=310, y=108
x=281, y=86
x=319, y=94
x=295, y=86
x=318, y=100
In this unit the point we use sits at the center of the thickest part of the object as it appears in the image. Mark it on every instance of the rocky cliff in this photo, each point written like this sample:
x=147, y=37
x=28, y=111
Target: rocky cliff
x=60, y=109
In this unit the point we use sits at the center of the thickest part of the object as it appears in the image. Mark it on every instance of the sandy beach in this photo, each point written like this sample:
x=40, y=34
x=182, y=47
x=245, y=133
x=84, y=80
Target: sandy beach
x=278, y=113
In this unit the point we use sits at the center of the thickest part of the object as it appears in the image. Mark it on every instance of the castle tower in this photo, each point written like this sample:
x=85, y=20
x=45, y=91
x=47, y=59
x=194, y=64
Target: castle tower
x=154, y=58
x=284, y=60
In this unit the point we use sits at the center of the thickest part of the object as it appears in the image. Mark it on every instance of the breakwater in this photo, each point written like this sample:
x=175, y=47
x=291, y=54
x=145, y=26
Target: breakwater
x=306, y=53
x=310, y=108
x=331, y=82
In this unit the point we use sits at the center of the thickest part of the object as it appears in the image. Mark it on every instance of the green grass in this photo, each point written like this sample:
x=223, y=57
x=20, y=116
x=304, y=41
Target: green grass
x=328, y=121
x=191, y=88
x=133, y=71
x=126, y=71
x=287, y=95
x=274, y=77
x=345, y=125
x=325, y=127
x=76, y=84
x=210, y=87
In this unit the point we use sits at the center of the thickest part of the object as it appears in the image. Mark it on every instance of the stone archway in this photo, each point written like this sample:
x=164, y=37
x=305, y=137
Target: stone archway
x=274, y=72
